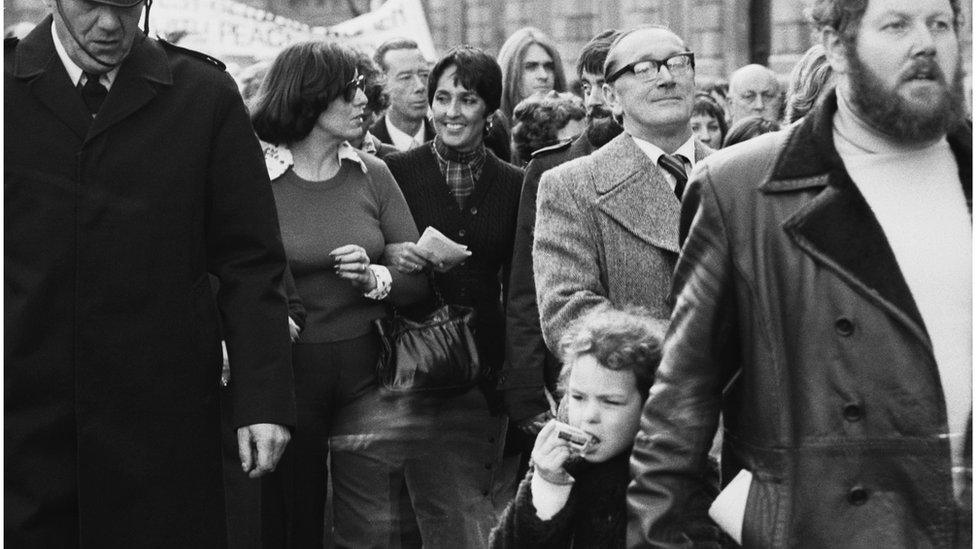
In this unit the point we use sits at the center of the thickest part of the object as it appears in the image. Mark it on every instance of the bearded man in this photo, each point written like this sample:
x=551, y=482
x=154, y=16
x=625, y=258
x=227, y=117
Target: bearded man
x=824, y=306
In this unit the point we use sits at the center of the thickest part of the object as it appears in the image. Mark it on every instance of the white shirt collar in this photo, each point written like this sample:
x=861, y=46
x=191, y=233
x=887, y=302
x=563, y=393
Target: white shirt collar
x=74, y=71
x=278, y=158
x=348, y=152
x=686, y=151
x=401, y=139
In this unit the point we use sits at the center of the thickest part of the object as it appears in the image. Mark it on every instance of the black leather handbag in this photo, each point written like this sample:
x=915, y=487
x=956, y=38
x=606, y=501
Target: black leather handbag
x=435, y=353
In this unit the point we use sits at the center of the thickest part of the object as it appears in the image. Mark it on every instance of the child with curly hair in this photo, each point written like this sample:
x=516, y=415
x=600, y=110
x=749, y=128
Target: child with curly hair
x=574, y=497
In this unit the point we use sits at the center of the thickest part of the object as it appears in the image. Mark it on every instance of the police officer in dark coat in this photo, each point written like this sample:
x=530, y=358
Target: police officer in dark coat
x=529, y=365
x=131, y=172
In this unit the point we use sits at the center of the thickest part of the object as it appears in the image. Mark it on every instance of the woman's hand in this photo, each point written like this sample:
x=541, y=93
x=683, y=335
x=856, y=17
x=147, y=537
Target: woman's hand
x=550, y=454
x=351, y=263
x=406, y=257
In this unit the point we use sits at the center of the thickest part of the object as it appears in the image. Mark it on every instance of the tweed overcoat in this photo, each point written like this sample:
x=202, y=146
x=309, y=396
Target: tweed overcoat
x=793, y=319
x=529, y=366
x=112, y=344
x=606, y=232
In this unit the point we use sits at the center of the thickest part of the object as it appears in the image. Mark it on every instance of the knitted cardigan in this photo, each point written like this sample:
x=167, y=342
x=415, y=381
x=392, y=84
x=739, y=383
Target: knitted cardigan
x=486, y=225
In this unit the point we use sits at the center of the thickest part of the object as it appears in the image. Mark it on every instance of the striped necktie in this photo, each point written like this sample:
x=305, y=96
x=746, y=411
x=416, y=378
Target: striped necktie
x=675, y=165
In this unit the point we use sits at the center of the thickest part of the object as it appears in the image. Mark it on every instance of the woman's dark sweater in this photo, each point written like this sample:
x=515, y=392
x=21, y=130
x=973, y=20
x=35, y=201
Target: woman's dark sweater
x=486, y=225
x=316, y=217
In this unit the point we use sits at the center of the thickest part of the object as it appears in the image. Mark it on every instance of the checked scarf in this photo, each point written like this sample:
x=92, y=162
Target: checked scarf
x=461, y=169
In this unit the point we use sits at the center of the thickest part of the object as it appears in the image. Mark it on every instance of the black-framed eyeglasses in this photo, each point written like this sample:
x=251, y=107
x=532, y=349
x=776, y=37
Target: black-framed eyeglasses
x=679, y=64
x=349, y=91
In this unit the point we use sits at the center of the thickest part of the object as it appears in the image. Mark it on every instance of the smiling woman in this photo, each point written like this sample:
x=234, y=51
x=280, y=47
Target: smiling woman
x=454, y=185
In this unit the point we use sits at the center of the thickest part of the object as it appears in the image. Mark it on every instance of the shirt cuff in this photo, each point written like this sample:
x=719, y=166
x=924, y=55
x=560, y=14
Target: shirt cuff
x=548, y=498
x=383, y=282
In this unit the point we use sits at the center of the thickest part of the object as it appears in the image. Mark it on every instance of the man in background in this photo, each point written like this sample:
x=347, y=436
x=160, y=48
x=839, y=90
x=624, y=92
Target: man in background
x=405, y=123
x=755, y=91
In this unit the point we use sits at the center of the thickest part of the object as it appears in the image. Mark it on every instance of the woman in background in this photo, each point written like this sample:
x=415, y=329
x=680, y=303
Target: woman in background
x=337, y=208
x=708, y=121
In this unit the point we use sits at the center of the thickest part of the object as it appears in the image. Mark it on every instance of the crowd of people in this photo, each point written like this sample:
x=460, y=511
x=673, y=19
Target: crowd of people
x=733, y=314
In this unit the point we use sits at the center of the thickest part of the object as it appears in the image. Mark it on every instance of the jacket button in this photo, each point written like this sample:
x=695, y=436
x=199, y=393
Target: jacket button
x=844, y=326
x=474, y=210
x=857, y=496
x=462, y=232
x=853, y=412
x=488, y=466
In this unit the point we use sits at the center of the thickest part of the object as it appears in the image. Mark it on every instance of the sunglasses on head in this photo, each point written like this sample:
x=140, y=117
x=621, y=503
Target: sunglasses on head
x=351, y=87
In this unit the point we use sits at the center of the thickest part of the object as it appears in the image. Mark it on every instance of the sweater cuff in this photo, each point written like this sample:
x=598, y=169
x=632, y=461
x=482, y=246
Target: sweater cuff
x=383, y=282
x=548, y=498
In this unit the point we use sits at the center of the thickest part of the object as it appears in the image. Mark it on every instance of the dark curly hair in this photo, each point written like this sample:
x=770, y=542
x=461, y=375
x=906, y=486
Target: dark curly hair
x=844, y=16
x=476, y=70
x=303, y=80
x=619, y=339
x=538, y=119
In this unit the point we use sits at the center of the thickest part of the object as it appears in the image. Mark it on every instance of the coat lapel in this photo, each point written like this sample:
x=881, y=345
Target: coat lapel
x=144, y=69
x=837, y=228
x=37, y=62
x=632, y=192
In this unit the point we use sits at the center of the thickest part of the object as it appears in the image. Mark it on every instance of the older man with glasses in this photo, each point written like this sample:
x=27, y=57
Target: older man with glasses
x=607, y=224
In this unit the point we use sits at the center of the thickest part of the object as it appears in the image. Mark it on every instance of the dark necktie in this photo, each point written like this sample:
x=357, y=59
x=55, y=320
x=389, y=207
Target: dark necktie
x=93, y=93
x=674, y=165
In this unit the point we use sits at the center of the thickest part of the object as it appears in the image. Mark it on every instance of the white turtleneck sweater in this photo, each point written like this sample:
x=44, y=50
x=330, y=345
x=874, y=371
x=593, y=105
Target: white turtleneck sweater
x=916, y=195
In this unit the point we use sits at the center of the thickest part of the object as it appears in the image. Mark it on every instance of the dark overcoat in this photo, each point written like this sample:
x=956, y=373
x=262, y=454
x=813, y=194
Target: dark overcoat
x=112, y=354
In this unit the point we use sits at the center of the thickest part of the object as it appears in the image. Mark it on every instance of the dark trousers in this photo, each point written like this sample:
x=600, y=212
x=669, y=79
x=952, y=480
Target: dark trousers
x=328, y=376
x=430, y=459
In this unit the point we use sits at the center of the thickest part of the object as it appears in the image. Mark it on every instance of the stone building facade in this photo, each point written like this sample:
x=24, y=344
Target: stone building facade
x=724, y=34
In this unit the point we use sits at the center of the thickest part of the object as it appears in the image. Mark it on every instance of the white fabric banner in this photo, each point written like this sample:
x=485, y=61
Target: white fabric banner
x=225, y=28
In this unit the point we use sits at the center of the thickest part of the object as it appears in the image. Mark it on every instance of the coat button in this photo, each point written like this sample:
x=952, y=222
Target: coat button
x=462, y=232
x=853, y=412
x=488, y=466
x=844, y=326
x=474, y=210
x=857, y=496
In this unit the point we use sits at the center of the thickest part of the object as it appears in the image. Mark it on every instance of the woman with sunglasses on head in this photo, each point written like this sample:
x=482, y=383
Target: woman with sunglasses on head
x=337, y=208
x=469, y=195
